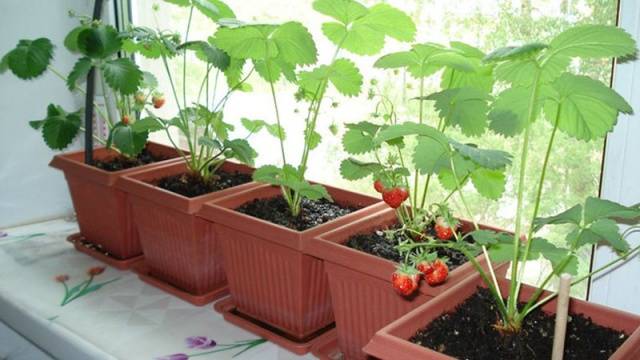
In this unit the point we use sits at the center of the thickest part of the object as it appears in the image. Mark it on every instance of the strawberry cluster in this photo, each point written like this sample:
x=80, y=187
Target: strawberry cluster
x=406, y=279
x=394, y=197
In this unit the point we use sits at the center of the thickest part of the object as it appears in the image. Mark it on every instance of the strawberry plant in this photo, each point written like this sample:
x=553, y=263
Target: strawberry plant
x=380, y=145
x=278, y=51
x=98, y=46
x=537, y=86
x=200, y=120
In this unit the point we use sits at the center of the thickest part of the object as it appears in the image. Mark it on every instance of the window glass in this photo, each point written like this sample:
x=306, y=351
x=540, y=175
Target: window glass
x=575, y=166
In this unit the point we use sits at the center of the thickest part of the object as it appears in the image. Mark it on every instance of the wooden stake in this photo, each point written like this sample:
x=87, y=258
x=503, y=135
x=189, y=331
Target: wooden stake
x=562, y=311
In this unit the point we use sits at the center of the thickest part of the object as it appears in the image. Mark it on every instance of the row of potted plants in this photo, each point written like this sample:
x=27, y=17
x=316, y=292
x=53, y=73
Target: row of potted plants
x=297, y=256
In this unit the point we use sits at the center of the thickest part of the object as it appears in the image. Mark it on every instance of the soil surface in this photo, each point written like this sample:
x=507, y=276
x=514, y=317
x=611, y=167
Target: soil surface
x=376, y=243
x=117, y=163
x=468, y=333
x=192, y=185
x=313, y=213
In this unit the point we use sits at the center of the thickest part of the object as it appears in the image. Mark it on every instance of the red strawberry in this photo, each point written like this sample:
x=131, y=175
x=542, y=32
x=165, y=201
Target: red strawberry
x=379, y=186
x=438, y=274
x=125, y=119
x=405, y=280
x=425, y=267
x=157, y=100
x=395, y=197
x=443, y=229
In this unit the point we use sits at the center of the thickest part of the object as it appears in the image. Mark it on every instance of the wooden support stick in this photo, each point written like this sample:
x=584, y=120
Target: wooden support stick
x=562, y=311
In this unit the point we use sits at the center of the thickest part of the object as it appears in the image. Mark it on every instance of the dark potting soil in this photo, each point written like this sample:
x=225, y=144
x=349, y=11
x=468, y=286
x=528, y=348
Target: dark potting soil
x=312, y=213
x=117, y=163
x=377, y=244
x=192, y=185
x=468, y=333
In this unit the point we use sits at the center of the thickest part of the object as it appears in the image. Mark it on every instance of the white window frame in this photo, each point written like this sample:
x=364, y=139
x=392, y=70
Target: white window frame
x=620, y=287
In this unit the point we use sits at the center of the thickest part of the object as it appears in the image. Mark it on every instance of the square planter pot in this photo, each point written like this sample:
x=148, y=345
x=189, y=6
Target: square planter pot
x=363, y=298
x=272, y=279
x=391, y=342
x=182, y=252
x=106, y=226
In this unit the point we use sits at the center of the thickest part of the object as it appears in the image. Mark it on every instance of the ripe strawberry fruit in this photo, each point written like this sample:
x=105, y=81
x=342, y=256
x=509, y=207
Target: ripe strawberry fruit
x=425, y=267
x=405, y=280
x=157, y=100
x=443, y=229
x=395, y=197
x=379, y=186
x=438, y=274
x=125, y=119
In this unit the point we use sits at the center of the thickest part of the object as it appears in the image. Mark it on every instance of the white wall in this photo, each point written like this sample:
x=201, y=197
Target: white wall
x=620, y=288
x=29, y=189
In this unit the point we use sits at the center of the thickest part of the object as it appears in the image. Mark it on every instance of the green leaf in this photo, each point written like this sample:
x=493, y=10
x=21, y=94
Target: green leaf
x=269, y=70
x=395, y=132
x=592, y=41
x=122, y=75
x=353, y=169
x=268, y=174
x=79, y=72
x=311, y=191
x=355, y=141
x=149, y=81
x=508, y=115
x=148, y=124
x=247, y=42
x=242, y=150
x=588, y=108
x=148, y=49
x=128, y=141
x=214, y=9
x=526, y=51
x=463, y=167
x=210, y=143
x=608, y=231
x=489, y=183
x=556, y=255
x=99, y=41
x=342, y=73
x=425, y=59
x=208, y=53
x=71, y=40
x=390, y=21
x=463, y=107
x=572, y=215
x=295, y=44
x=59, y=128
x=596, y=208
x=253, y=126
x=345, y=11
x=181, y=3
x=312, y=138
x=30, y=58
x=4, y=63
x=484, y=237
x=521, y=72
x=233, y=72
x=487, y=158
x=430, y=156
x=365, y=34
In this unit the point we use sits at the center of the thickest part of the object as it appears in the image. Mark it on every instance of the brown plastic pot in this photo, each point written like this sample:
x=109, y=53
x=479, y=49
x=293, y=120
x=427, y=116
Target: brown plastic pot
x=391, y=342
x=182, y=252
x=103, y=216
x=271, y=277
x=361, y=292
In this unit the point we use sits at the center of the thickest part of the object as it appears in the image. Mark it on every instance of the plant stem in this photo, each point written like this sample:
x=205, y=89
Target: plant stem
x=416, y=176
x=528, y=310
x=513, y=288
x=184, y=58
x=106, y=98
x=536, y=206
